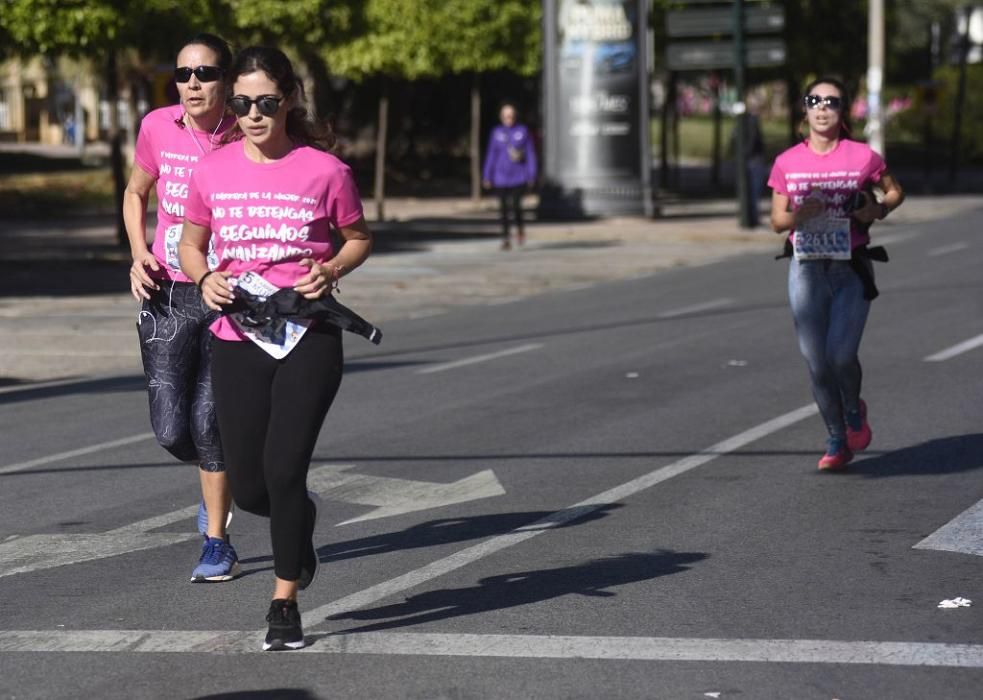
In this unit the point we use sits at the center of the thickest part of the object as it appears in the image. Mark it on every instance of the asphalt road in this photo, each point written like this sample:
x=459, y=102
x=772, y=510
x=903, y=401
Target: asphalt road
x=652, y=525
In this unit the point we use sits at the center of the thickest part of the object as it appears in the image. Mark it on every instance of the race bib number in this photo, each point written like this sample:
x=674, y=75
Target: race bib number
x=823, y=238
x=276, y=345
x=172, y=236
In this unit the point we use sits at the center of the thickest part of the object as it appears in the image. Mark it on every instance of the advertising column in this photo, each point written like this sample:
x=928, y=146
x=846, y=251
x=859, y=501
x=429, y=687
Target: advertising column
x=596, y=138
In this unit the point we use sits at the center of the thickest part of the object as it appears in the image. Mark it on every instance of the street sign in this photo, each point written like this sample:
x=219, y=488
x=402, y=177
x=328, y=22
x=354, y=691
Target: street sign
x=696, y=22
x=711, y=55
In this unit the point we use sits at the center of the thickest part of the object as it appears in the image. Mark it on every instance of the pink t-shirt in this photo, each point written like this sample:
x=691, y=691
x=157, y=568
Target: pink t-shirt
x=266, y=217
x=169, y=151
x=848, y=168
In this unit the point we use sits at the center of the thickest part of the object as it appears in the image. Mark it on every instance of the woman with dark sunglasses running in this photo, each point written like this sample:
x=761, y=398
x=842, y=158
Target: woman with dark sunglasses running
x=823, y=195
x=173, y=322
x=269, y=200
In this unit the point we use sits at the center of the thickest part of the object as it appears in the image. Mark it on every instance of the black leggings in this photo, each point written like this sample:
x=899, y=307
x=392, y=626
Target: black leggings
x=175, y=345
x=270, y=413
x=510, y=200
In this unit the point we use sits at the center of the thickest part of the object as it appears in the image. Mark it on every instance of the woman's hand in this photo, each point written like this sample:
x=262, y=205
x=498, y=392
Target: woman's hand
x=870, y=211
x=809, y=209
x=319, y=280
x=140, y=281
x=216, y=290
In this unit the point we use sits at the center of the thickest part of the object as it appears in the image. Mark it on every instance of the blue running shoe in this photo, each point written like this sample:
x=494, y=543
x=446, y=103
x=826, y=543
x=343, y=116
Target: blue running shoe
x=310, y=563
x=218, y=562
x=203, y=518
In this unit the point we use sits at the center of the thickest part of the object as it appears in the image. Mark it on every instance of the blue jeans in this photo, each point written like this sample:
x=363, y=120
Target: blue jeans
x=830, y=312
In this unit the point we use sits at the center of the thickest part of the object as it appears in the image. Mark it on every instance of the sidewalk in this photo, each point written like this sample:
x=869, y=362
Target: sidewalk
x=65, y=309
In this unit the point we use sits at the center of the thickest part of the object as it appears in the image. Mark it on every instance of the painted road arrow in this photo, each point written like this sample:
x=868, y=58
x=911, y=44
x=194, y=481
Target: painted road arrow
x=963, y=534
x=21, y=554
x=398, y=496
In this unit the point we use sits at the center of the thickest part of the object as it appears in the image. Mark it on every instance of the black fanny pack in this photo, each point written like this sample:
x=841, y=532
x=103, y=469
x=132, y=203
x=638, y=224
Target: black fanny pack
x=857, y=264
x=269, y=315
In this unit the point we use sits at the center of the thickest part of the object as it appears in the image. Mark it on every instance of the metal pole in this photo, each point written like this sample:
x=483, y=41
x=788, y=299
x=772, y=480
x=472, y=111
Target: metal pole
x=740, y=121
x=875, y=75
x=957, y=124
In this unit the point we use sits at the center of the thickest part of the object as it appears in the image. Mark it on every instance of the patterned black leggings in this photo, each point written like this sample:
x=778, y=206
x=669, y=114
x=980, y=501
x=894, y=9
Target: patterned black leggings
x=175, y=345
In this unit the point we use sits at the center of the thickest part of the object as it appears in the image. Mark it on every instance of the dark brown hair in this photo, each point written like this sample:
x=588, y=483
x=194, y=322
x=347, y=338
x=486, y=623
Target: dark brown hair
x=301, y=127
x=845, y=129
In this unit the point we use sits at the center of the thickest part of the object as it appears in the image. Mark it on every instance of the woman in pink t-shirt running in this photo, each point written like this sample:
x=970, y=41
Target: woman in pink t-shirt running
x=269, y=201
x=175, y=344
x=823, y=195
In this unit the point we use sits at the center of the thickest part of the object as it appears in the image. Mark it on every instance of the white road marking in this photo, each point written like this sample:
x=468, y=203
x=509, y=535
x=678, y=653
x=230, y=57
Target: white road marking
x=946, y=249
x=26, y=553
x=811, y=651
x=957, y=349
x=963, y=534
x=472, y=554
x=479, y=358
x=37, y=552
x=889, y=238
x=75, y=453
x=398, y=496
x=696, y=308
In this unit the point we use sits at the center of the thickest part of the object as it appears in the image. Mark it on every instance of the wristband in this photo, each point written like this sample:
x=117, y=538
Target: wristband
x=884, y=211
x=203, y=278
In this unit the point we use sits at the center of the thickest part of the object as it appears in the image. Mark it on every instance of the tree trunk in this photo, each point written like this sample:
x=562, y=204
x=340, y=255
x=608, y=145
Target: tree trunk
x=717, y=118
x=380, y=153
x=476, y=138
x=321, y=83
x=116, y=145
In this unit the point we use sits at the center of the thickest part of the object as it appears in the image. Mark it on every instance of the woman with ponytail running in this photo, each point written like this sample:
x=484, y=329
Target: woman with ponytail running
x=823, y=196
x=269, y=200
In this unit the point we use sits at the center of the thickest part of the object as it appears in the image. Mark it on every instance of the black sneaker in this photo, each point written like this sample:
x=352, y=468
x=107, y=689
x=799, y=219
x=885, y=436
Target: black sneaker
x=285, y=631
x=309, y=562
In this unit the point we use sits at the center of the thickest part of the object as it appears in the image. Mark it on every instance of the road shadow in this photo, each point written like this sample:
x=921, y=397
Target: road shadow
x=443, y=531
x=15, y=392
x=267, y=694
x=948, y=455
x=594, y=578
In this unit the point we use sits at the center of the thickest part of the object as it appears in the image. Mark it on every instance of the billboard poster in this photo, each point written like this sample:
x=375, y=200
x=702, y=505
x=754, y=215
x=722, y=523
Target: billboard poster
x=596, y=67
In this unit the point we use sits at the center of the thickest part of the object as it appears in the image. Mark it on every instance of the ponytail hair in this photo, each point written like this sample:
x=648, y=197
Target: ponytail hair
x=301, y=127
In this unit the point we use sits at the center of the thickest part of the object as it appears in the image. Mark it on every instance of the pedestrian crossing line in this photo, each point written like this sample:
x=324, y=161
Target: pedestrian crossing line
x=785, y=651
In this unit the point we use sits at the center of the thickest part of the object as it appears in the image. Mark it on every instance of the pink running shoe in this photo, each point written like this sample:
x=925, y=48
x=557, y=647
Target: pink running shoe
x=837, y=455
x=858, y=435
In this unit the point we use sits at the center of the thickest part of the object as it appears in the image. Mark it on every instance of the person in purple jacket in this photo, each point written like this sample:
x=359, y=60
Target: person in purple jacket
x=510, y=168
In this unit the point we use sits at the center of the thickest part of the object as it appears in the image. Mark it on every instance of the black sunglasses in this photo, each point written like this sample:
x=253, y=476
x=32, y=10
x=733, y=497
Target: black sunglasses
x=267, y=105
x=205, y=74
x=830, y=101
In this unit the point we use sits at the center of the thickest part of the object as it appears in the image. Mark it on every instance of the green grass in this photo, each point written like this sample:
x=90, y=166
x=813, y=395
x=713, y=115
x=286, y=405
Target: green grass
x=57, y=194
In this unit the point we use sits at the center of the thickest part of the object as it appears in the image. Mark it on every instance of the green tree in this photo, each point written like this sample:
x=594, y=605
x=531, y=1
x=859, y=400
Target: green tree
x=479, y=36
x=415, y=39
x=302, y=26
x=101, y=30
